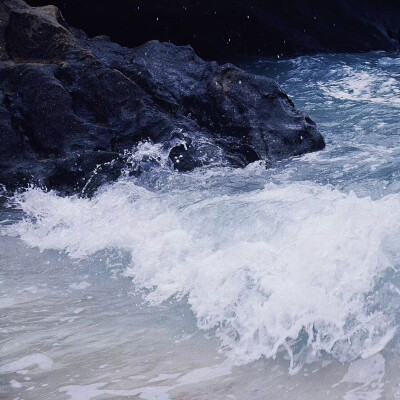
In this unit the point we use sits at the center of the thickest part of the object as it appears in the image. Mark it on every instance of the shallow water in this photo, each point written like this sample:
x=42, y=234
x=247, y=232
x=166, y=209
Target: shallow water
x=247, y=284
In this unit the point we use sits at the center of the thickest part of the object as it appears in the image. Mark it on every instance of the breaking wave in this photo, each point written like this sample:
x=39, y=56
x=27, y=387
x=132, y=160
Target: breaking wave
x=292, y=266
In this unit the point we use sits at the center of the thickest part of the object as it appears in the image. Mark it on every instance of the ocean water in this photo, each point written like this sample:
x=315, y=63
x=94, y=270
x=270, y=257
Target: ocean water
x=255, y=283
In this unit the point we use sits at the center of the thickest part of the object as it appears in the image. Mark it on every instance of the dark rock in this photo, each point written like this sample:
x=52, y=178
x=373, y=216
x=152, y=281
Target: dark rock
x=71, y=107
x=37, y=34
x=225, y=29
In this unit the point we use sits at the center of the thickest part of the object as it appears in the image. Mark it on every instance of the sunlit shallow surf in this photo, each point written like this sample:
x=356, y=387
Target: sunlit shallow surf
x=220, y=283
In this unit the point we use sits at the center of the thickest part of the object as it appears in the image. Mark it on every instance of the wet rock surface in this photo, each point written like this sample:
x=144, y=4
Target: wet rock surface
x=70, y=105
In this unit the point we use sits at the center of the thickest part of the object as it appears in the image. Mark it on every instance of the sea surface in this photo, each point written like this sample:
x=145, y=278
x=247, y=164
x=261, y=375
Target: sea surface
x=255, y=283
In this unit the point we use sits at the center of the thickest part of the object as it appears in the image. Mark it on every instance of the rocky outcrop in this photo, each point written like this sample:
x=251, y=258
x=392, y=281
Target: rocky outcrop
x=70, y=105
x=225, y=29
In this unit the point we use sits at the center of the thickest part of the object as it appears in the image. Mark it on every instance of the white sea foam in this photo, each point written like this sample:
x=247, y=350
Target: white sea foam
x=200, y=375
x=389, y=61
x=363, y=85
x=80, y=285
x=40, y=360
x=369, y=376
x=264, y=268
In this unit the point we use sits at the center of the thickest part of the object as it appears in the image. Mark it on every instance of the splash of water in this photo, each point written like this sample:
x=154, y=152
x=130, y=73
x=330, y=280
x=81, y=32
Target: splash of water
x=283, y=267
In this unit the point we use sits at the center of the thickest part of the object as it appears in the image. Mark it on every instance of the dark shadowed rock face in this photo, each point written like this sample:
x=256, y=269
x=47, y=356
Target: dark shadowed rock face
x=225, y=29
x=70, y=105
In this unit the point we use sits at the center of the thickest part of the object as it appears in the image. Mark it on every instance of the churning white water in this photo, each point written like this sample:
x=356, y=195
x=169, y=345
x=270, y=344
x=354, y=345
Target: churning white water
x=250, y=284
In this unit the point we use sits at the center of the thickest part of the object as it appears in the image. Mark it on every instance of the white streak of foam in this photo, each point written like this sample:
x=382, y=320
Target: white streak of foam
x=88, y=392
x=42, y=361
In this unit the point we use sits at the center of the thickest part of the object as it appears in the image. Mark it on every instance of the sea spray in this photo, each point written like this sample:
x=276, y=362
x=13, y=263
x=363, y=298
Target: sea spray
x=266, y=268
